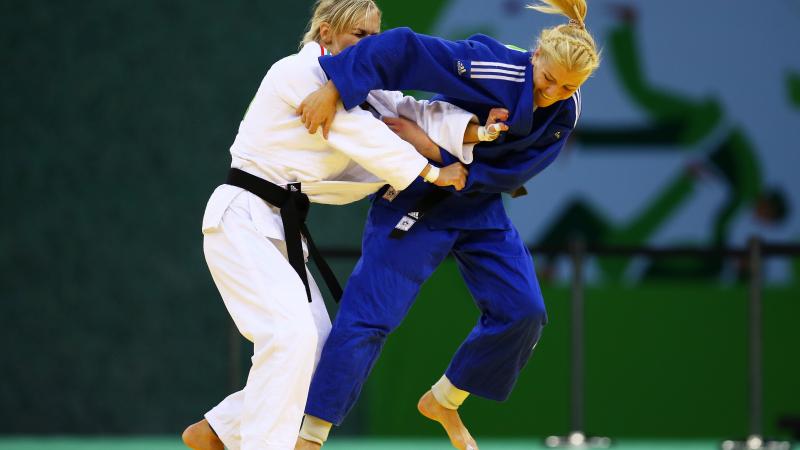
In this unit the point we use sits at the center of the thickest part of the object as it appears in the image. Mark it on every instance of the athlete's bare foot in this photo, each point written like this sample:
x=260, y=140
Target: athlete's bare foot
x=449, y=419
x=303, y=444
x=200, y=436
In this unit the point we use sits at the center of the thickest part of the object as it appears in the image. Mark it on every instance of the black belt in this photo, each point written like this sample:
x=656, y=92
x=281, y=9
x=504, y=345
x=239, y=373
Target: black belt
x=423, y=205
x=294, y=207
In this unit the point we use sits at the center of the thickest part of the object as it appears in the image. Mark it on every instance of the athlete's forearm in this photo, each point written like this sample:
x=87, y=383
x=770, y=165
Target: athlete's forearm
x=471, y=134
x=431, y=152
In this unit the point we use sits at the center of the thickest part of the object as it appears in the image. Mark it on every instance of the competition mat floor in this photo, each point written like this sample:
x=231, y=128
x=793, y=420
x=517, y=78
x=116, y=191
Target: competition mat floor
x=70, y=443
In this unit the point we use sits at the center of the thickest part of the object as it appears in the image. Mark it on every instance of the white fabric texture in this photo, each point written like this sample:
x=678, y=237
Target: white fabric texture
x=360, y=155
x=443, y=122
x=268, y=304
x=244, y=238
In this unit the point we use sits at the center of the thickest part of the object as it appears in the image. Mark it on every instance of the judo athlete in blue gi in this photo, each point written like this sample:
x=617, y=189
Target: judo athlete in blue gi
x=408, y=234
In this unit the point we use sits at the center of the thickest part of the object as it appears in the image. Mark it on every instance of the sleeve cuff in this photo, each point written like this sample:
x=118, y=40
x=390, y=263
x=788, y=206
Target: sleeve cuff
x=349, y=98
x=410, y=177
x=450, y=135
x=447, y=158
x=466, y=153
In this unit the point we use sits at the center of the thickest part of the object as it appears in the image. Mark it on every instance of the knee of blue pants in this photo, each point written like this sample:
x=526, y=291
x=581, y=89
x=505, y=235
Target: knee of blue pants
x=358, y=331
x=489, y=361
x=531, y=314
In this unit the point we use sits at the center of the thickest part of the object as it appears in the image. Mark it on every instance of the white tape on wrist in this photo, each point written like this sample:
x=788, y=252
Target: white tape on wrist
x=489, y=133
x=482, y=135
x=432, y=175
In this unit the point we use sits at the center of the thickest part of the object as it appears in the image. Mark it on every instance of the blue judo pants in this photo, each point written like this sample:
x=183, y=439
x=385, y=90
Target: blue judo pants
x=498, y=270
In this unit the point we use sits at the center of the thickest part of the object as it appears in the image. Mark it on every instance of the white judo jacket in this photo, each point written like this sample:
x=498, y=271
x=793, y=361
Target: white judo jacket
x=360, y=155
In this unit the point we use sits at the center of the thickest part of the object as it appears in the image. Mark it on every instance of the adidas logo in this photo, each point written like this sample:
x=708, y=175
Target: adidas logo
x=461, y=69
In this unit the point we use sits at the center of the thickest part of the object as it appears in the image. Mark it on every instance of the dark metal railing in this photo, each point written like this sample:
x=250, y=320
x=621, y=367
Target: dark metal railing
x=768, y=249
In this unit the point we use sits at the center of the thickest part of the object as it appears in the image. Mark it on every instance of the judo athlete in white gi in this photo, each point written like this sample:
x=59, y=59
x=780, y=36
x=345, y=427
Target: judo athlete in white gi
x=252, y=223
x=408, y=235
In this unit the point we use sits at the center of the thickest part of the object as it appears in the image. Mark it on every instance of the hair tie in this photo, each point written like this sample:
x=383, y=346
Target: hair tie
x=576, y=24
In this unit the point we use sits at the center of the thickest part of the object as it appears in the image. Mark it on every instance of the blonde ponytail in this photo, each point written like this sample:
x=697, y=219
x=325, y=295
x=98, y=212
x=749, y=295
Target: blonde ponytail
x=570, y=44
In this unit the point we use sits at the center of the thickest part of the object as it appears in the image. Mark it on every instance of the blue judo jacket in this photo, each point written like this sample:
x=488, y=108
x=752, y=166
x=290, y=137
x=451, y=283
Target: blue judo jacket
x=476, y=74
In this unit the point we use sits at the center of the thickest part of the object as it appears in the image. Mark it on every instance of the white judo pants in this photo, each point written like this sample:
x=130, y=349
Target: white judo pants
x=268, y=303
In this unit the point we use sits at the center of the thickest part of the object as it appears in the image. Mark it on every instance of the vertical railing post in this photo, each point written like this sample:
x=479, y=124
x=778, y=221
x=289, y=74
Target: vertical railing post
x=577, y=438
x=577, y=250
x=755, y=338
x=755, y=345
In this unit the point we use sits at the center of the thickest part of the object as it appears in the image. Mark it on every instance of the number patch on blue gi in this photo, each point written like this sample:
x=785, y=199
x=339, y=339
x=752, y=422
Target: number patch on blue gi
x=405, y=223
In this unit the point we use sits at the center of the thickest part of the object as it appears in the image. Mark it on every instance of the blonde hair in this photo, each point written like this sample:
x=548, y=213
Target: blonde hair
x=340, y=14
x=569, y=44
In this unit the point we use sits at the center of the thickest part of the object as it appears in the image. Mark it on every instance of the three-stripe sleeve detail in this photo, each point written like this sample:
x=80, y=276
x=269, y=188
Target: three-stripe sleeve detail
x=497, y=71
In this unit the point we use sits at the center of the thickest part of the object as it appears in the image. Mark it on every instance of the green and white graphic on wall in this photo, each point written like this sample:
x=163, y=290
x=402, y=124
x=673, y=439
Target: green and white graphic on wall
x=688, y=134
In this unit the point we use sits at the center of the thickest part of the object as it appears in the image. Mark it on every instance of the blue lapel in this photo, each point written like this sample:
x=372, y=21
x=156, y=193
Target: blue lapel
x=521, y=120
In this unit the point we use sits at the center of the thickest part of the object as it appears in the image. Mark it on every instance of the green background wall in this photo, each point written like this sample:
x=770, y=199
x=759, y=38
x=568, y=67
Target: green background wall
x=116, y=119
x=661, y=360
